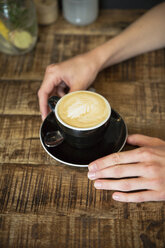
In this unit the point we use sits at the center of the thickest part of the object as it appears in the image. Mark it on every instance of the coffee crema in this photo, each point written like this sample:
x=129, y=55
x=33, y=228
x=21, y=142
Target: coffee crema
x=83, y=109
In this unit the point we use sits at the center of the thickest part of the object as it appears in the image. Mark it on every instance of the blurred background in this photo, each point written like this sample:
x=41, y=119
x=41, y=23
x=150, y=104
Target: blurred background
x=126, y=4
x=19, y=19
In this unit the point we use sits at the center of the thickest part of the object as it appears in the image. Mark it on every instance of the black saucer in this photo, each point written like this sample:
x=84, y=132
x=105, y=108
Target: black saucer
x=113, y=141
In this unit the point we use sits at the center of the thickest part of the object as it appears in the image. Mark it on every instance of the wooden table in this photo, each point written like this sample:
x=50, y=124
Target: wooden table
x=46, y=204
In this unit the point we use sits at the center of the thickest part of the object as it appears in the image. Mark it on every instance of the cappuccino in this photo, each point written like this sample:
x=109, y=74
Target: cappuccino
x=83, y=109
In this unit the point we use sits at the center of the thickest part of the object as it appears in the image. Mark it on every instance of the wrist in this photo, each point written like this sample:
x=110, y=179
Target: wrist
x=105, y=55
x=97, y=58
x=92, y=58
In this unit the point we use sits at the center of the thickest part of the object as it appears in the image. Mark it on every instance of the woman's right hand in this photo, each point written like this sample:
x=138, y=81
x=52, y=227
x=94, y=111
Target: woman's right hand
x=77, y=74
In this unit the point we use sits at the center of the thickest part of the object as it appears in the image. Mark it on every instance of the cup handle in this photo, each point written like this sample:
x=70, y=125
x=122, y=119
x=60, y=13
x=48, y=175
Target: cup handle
x=52, y=101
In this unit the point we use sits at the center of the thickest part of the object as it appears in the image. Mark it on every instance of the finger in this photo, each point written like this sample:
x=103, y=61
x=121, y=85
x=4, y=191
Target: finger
x=143, y=196
x=43, y=103
x=132, y=156
x=46, y=89
x=142, y=140
x=119, y=171
x=123, y=184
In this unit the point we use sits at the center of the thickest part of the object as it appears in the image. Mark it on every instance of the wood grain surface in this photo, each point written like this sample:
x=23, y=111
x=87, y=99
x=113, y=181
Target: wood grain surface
x=47, y=204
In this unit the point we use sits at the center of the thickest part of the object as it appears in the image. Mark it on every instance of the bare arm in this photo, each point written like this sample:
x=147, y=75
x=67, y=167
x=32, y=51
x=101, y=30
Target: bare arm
x=145, y=34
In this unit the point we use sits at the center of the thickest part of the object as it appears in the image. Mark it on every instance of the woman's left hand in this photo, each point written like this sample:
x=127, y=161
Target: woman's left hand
x=141, y=169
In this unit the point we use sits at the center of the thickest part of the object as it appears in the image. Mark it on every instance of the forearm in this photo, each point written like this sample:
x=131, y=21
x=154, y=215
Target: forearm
x=145, y=34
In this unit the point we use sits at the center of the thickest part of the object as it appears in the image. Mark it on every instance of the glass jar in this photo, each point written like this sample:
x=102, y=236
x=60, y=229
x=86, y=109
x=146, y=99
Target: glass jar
x=80, y=12
x=47, y=11
x=18, y=26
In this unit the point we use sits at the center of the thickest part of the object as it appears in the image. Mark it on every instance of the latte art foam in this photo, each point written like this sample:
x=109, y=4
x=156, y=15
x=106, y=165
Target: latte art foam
x=78, y=109
x=83, y=109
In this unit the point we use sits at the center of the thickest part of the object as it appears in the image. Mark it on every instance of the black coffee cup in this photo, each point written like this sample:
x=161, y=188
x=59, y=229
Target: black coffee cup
x=78, y=137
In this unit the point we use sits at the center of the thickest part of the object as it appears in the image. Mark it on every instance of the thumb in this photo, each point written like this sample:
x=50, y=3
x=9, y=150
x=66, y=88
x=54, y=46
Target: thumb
x=62, y=89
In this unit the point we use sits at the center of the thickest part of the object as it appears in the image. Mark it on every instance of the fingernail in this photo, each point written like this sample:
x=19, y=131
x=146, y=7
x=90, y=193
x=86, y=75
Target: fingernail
x=116, y=197
x=91, y=175
x=97, y=185
x=92, y=167
x=42, y=117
